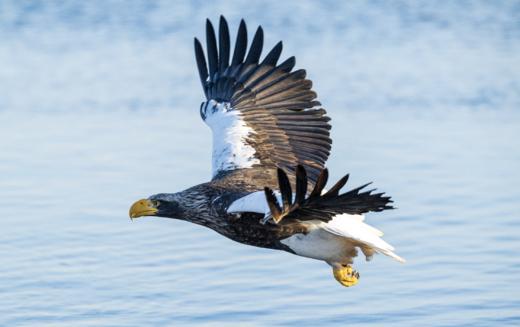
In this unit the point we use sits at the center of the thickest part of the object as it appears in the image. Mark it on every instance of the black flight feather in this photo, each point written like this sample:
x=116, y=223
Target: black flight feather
x=256, y=47
x=288, y=64
x=212, y=49
x=272, y=57
x=320, y=184
x=334, y=191
x=223, y=43
x=201, y=63
x=274, y=207
x=240, y=44
x=285, y=188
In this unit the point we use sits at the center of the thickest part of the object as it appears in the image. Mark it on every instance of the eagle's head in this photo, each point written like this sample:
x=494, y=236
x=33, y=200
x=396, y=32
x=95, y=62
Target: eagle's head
x=160, y=205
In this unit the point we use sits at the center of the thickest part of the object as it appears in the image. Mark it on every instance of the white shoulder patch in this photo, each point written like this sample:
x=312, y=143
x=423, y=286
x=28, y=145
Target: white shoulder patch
x=230, y=132
x=254, y=202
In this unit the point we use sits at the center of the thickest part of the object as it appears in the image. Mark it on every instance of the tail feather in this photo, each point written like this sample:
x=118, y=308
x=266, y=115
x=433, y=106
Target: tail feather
x=352, y=227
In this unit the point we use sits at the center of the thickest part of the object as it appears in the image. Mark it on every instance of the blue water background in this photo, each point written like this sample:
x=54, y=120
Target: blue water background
x=99, y=107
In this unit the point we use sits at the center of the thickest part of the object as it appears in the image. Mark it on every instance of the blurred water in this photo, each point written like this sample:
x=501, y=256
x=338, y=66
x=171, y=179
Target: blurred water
x=99, y=107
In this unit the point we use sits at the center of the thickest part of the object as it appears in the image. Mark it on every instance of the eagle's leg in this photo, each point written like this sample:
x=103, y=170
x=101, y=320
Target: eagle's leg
x=345, y=275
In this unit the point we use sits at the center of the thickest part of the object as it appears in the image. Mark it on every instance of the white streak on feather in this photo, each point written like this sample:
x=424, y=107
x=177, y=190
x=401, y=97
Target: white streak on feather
x=253, y=202
x=230, y=132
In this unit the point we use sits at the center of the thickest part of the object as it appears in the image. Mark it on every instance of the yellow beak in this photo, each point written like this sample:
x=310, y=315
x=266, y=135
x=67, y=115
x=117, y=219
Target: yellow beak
x=143, y=207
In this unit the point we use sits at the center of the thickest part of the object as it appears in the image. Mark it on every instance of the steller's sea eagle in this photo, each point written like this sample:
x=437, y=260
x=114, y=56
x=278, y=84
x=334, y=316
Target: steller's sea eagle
x=270, y=137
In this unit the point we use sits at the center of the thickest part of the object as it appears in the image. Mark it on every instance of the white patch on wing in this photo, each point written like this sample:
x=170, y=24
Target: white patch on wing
x=253, y=202
x=230, y=132
x=256, y=202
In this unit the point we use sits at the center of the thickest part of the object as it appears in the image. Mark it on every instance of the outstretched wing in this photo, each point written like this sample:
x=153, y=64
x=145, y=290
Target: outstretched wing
x=282, y=205
x=262, y=114
x=319, y=204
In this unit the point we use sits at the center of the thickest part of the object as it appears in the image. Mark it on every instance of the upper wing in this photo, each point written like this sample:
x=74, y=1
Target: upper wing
x=261, y=113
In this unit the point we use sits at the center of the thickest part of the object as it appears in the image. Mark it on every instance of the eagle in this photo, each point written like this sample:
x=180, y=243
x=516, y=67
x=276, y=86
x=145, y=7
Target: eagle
x=271, y=139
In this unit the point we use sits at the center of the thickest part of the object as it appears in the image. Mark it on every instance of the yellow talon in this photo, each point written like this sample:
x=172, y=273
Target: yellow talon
x=346, y=276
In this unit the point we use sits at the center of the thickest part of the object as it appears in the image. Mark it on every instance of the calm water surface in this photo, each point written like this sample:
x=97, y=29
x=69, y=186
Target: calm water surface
x=99, y=107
